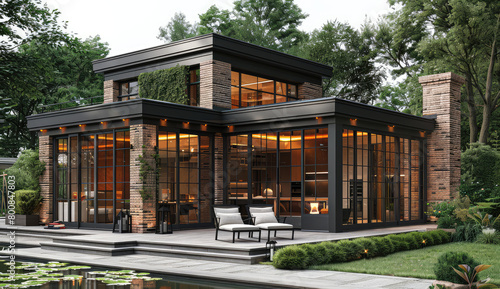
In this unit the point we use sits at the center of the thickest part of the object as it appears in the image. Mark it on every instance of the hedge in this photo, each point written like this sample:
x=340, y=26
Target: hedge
x=305, y=255
x=166, y=84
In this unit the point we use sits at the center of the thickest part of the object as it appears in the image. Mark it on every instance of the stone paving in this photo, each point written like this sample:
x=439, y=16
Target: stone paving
x=264, y=276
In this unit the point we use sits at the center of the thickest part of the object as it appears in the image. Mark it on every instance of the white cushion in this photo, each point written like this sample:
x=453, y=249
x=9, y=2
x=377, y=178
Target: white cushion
x=275, y=226
x=260, y=209
x=238, y=227
x=229, y=219
x=261, y=218
x=225, y=210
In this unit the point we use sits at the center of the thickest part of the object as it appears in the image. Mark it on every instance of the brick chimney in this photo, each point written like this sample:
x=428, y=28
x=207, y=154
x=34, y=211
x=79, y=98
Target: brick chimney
x=441, y=98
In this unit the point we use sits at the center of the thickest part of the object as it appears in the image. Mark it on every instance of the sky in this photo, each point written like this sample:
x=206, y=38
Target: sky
x=129, y=25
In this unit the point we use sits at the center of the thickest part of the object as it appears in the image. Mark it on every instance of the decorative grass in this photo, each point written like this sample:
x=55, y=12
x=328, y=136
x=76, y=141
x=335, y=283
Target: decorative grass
x=419, y=263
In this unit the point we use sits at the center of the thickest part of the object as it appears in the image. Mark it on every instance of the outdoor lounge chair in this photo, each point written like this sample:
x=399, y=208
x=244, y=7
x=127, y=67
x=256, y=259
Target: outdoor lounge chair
x=263, y=217
x=229, y=219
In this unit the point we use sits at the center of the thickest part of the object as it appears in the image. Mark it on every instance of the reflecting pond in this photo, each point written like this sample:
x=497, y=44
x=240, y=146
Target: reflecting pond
x=56, y=275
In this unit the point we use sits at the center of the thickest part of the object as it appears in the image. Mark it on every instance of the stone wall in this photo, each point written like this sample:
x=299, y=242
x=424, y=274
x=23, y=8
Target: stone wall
x=111, y=91
x=215, y=85
x=441, y=97
x=46, y=155
x=309, y=90
x=143, y=211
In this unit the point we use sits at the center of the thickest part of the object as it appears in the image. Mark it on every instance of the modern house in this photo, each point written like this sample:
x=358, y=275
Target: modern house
x=253, y=129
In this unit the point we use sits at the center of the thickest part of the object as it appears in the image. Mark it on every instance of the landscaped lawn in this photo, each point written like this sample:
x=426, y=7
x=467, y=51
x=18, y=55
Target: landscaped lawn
x=419, y=263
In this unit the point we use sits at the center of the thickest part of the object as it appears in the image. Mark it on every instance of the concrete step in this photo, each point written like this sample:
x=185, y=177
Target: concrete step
x=96, y=243
x=94, y=250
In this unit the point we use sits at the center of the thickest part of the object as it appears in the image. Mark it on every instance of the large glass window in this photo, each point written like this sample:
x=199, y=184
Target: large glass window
x=193, y=89
x=185, y=176
x=376, y=178
x=250, y=90
x=92, y=177
x=276, y=162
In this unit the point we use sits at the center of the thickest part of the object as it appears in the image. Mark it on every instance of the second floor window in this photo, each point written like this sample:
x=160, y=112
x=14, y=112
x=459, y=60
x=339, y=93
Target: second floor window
x=250, y=90
x=129, y=90
x=193, y=87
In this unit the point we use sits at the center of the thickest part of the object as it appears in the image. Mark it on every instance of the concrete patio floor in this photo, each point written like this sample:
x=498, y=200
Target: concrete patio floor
x=264, y=276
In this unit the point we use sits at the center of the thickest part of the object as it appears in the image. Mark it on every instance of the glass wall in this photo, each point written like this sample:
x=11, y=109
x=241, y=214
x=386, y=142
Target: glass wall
x=376, y=180
x=250, y=90
x=286, y=169
x=86, y=163
x=185, y=176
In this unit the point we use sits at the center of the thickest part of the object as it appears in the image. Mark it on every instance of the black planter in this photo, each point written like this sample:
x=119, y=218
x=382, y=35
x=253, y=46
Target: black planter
x=23, y=220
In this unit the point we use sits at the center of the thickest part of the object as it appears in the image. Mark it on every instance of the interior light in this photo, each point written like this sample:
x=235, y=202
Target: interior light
x=314, y=208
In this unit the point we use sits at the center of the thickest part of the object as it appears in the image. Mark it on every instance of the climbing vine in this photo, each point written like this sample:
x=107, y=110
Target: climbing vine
x=147, y=174
x=166, y=84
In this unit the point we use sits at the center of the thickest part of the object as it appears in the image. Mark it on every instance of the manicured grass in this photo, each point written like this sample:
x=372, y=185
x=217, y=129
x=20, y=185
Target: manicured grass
x=419, y=263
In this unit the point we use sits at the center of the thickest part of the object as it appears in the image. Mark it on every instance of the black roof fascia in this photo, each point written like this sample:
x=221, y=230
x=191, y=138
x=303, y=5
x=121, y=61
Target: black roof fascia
x=227, y=49
x=274, y=113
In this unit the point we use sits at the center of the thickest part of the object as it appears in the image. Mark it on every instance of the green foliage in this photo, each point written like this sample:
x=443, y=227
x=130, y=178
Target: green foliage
x=383, y=245
x=334, y=252
x=489, y=236
x=350, y=52
x=442, y=209
x=350, y=250
x=28, y=202
x=470, y=275
x=467, y=232
x=399, y=242
x=443, y=269
x=480, y=172
x=369, y=246
x=177, y=29
x=46, y=72
x=27, y=170
x=411, y=241
x=148, y=174
x=290, y=257
x=484, y=219
x=428, y=238
x=166, y=85
x=446, y=222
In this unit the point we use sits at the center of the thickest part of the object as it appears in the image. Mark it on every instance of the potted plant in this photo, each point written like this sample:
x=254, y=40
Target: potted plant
x=28, y=203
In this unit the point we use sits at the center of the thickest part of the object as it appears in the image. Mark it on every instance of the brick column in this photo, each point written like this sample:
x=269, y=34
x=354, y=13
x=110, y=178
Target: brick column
x=215, y=85
x=142, y=209
x=111, y=91
x=46, y=152
x=441, y=97
x=309, y=90
x=218, y=169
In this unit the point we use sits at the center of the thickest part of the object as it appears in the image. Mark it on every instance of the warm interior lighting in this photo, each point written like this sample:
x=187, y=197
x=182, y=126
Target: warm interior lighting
x=205, y=124
x=174, y=136
x=268, y=192
x=123, y=119
x=102, y=122
x=314, y=208
x=317, y=117
x=61, y=127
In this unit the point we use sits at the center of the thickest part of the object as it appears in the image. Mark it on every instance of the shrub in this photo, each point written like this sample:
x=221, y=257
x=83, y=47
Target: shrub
x=27, y=170
x=165, y=84
x=411, y=242
x=316, y=254
x=335, y=254
x=428, y=239
x=436, y=237
x=291, y=257
x=442, y=209
x=467, y=233
x=445, y=236
x=384, y=247
x=418, y=237
x=480, y=172
x=352, y=250
x=27, y=202
x=446, y=222
x=399, y=243
x=488, y=237
x=443, y=270
x=392, y=247
x=367, y=244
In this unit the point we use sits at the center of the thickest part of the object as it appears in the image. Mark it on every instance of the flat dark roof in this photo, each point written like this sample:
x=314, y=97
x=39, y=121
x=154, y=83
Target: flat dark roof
x=201, y=48
x=287, y=114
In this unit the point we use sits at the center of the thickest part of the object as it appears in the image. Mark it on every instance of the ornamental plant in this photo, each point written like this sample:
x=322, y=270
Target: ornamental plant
x=448, y=260
x=469, y=275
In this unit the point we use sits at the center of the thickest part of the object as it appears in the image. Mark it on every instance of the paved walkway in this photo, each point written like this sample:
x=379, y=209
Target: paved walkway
x=261, y=275
x=264, y=275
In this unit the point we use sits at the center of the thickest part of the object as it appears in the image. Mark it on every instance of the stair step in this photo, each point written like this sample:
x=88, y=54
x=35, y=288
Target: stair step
x=200, y=255
x=87, y=249
x=96, y=243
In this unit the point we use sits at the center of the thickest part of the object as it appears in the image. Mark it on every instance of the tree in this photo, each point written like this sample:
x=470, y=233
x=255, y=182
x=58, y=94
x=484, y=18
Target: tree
x=177, y=29
x=46, y=73
x=269, y=23
x=350, y=52
x=461, y=36
x=27, y=170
